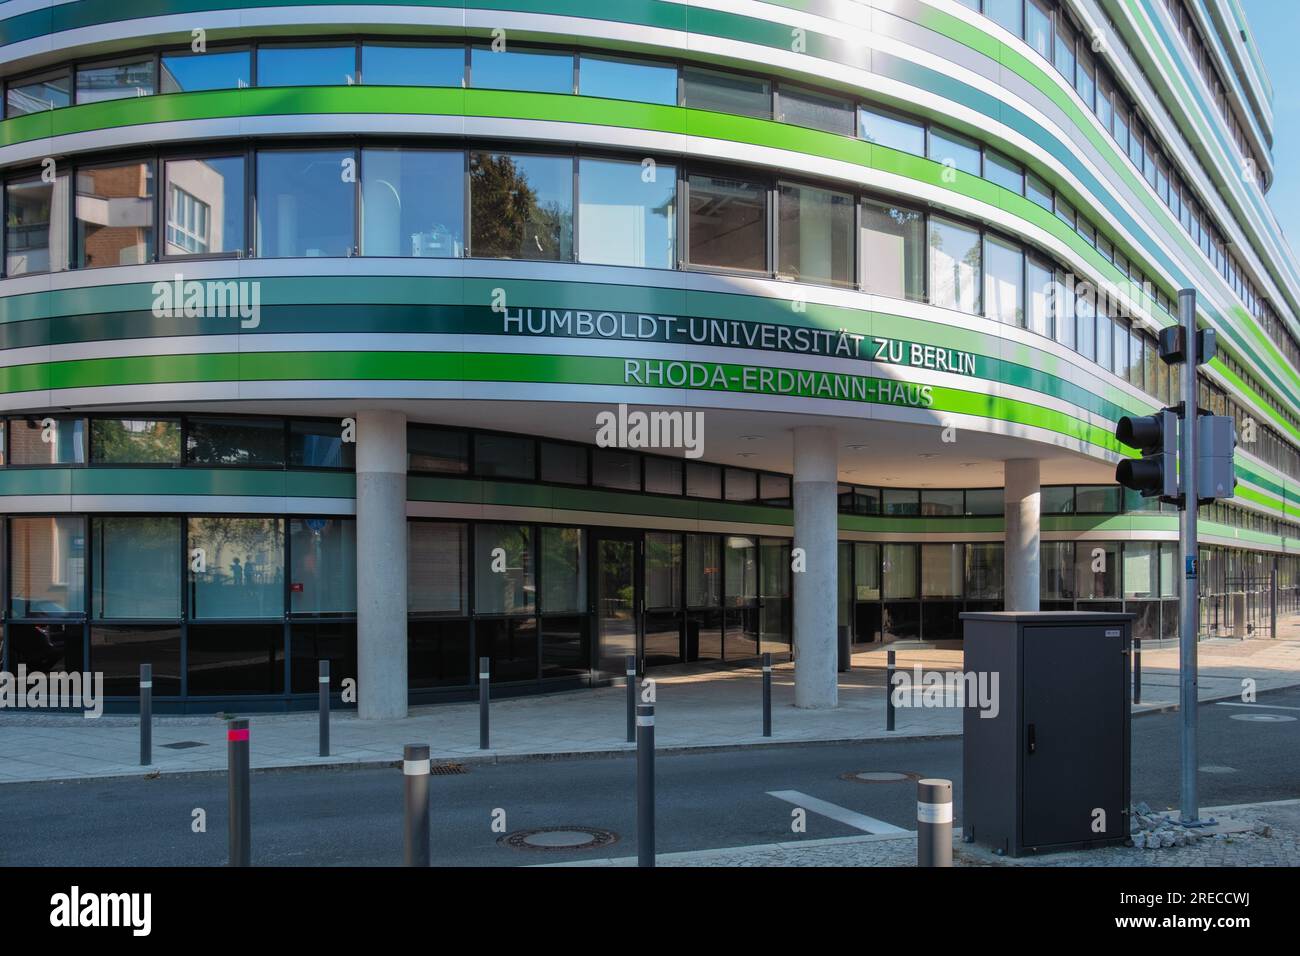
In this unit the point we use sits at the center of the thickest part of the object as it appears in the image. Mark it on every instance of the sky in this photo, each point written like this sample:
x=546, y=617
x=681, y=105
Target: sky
x=1275, y=25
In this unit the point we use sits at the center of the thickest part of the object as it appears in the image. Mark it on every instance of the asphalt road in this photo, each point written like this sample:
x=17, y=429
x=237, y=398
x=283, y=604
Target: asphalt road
x=354, y=817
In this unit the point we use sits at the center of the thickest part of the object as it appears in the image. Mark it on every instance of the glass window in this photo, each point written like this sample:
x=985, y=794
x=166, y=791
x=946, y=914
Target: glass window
x=1038, y=27
x=703, y=570
x=320, y=445
x=1136, y=364
x=135, y=441
x=566, y=464
x=205, y=206
x=899, y=568
x=37, y=95
x=774, y=490
x=115, y=215
x=663, y=476
x=503, y=582
x=305, y=202
x=1038, y=191
x=1104, y=94
x=1097, y=499
x=728, y=225
x=1105, y=336
x=985, y=570
x=955, y=151
x=627, y=213
x=984, y=501
x=727, y=93
x=47, y=565
x=1119, y=352
x=866, y=571
x=1097, y=567
x=1004, y=278
x=884, y=129
x=243, y=442
x=502, y=456
x=1141, y=570
x=954, y=265
x=240, y=567
x=1042, y=294
x=393, y=64
x=564, y=571
x=893, y=251
x=521, y=207
x=533, y=71
x=942, y=570
x=437, y=569
x=816, y=110
x=618, y=79
x=998, y=169
x=47, y=441
x=946, y=501
x=412, y=203
x=1080, y=328
x=815, y=235
x=306, y=65
x=741, y=485
x=1007, y=14
x=323, y=579
x=1065, y=212
x=1085, y=82
x=137, y=568
x=900, y=501
x=117, y=81
x=1056, y=581
x=437, y=450
x=1057, y=499
x=36, y=226
x=703, y=481
x=611, y=468
x=663, y=569
x=218, y=70
x=1064, y=49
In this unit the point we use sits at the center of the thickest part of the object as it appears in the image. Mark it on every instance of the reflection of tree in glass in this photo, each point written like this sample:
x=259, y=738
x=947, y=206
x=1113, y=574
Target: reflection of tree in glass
x=136, y=442
x=509, y=222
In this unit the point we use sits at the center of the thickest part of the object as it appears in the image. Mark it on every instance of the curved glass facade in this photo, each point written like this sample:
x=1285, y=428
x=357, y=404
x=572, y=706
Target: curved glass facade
x=589, y=306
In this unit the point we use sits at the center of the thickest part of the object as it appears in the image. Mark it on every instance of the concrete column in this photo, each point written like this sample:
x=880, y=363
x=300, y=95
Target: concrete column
x=381, y=564
x=1022, y=495
x=815, y=588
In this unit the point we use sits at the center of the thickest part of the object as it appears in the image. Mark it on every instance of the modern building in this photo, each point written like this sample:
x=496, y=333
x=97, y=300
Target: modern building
x=315, y=319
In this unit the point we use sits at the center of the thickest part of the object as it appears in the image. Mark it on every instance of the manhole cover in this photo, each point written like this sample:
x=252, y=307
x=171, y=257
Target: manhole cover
x=559, y=838
x=182, y=745
x=880, y=776
x=1263, y=718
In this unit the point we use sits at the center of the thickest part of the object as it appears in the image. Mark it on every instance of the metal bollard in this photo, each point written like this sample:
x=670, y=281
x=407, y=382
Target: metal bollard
x=484, y=677
x=631, y=698
x=889, y=690
x=645, y=784
x=324, y=681
x=146, y=714
x=767, y=694
x=1137, y=670
x=241, y=833
x=415, y=770
x=934, y=822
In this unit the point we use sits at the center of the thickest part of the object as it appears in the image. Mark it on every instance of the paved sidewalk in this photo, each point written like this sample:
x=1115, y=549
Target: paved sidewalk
x=717, y=709
x=1276, y=844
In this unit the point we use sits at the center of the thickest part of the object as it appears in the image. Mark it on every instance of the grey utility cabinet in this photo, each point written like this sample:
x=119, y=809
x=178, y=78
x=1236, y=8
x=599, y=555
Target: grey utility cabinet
x=1051, y=770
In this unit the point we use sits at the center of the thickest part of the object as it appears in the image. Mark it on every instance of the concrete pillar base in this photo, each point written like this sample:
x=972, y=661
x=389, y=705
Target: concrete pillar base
x=1022, y=494
x=815, y=589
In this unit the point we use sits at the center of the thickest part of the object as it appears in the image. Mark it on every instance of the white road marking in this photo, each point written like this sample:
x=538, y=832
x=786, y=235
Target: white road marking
x=835, y=812
x=1233, y=703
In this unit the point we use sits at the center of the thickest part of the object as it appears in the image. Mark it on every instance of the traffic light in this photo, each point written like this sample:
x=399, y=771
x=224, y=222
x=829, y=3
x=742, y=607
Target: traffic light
x=1155, y=474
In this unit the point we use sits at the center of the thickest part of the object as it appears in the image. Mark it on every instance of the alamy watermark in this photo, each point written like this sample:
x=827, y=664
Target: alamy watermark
x=922, y=688
x=209, y=299
x=55, y=691
x=656, y=429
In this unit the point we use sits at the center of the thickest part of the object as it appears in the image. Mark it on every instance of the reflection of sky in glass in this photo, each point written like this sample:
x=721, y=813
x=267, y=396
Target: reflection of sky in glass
x=206, y=71
x=627, y=80
x=304, y=203
x=384, y=65
x=306, y=66
x=401, y=215
x=624, y=219
x=511, y=70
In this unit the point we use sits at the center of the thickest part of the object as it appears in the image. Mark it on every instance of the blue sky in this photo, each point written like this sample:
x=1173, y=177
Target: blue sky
x=1275, y=25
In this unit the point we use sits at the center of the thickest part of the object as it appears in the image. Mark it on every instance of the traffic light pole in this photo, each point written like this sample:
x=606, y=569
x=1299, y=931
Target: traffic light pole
x=1190, y=597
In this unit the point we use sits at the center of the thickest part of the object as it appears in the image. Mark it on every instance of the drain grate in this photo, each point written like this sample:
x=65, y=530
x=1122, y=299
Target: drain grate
x=183, y=745
x=447, y=769
x=880, y=776
x=559, y=838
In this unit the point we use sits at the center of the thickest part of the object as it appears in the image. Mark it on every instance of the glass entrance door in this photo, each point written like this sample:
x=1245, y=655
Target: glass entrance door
x=618, y=600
